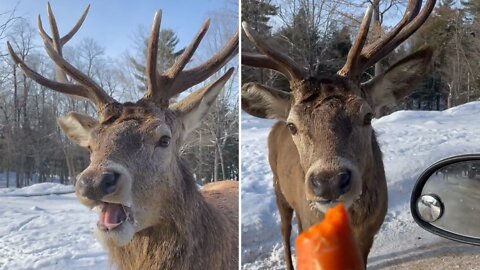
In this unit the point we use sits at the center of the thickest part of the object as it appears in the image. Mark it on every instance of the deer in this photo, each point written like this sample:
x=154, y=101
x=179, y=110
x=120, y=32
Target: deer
x=323, y=150
x=151, y=213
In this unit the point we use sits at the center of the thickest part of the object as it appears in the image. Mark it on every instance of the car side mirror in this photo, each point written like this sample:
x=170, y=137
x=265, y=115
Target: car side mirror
x=446, y=199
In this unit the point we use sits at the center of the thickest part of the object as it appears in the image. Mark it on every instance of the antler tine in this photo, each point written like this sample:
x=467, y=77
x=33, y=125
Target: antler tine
x=56, y=41
x=406, y=32
x=182, y=61
x=289, y=68
x=167, y=79
x=95, y=92
x=76, y=27
x=53, y=26
x=151, y=67
x=198, y=74
x=377, y=50
x=161, y=87
x=413, y=18
x=355, y=51
x=65, y=88
x=262, y=61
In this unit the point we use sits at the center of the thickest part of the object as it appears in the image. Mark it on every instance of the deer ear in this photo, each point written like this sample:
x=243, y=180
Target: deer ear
x=265, y=102
x=194, y=107
x=77, y=127
x=398, y=81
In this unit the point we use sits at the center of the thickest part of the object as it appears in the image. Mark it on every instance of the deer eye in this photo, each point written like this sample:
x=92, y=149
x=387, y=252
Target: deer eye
x=368, y=119
x=164, y=141
x=292, y=128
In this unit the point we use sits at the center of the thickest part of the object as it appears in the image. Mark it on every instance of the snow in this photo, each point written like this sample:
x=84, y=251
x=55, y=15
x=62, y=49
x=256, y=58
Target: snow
x=37, y=190
x=43, y=230
x=47, y=231
x=410, y=142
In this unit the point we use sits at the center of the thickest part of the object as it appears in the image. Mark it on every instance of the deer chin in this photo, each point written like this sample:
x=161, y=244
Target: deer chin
x=321, y=205
x=115, y=224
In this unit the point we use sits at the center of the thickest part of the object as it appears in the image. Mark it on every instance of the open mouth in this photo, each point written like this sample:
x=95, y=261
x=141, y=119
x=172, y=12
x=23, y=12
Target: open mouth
x=112, y=216
x=323, y=205
x=325, y=201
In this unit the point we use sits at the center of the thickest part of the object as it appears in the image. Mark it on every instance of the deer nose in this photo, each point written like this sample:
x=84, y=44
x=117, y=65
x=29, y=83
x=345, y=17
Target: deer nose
x=329, y=186
x=95, y=188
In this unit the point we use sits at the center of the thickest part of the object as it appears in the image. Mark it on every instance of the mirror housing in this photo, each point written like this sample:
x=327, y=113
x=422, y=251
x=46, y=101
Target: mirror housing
x=446, y=199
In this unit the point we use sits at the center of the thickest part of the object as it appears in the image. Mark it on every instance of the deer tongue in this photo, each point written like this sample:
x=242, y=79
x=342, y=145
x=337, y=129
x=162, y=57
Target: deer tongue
x=112, y=215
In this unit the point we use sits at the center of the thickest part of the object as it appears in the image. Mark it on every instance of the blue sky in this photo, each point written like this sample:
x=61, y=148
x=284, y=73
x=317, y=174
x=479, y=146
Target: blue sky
x=113, y=23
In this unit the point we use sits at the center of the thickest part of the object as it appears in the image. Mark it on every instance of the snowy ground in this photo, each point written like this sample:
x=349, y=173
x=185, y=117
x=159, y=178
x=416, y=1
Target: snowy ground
x=47, y=231
x=410, y=142
x=55, y=231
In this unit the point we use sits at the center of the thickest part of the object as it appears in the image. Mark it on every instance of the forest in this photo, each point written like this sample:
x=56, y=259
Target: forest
x=318, y=34
x=32, y=147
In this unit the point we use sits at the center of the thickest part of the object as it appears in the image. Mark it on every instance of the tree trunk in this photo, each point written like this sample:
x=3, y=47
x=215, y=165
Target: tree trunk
x=8, y=176
x=378, y=28
x=69, y=160
x=450, y=97
x=215, y=166
x=220, y=155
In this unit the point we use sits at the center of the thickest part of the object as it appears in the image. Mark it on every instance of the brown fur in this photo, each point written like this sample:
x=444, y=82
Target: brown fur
x=368, y=212
x=177, y=226
x=151, y=214
x=204, y=235
x=332, y=132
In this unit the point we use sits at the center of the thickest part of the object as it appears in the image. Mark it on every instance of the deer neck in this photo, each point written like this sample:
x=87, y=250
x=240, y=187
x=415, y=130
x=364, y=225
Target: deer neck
x=374, y=189
x=188, y=240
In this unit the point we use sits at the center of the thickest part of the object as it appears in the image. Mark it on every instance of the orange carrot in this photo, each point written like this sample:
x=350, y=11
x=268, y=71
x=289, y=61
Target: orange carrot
x=329, y=245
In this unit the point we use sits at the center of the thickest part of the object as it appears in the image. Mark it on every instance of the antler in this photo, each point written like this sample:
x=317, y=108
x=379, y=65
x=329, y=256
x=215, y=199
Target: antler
x=161, y=87
x=273, y=59
x=360, y=58
x=55, y=41
x=86, y=87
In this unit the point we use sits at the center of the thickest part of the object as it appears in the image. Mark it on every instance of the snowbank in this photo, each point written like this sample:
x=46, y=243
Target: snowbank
x=37, y=190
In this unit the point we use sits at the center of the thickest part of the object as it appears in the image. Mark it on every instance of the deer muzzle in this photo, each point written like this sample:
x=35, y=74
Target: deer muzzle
x=331, y=182
x=96, y=186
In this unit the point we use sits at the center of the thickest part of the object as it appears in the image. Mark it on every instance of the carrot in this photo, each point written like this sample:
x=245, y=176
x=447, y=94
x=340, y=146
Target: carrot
x=329, y=245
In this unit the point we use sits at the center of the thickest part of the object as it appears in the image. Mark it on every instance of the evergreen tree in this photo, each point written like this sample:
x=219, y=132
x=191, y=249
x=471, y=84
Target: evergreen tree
x=167, y=54
x=257, y=14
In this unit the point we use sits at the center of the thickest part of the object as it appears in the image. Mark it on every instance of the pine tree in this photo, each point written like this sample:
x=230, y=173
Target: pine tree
x=167, y=54
x=257, y=14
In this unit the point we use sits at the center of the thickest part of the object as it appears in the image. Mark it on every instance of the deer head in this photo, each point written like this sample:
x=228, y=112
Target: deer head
x=329, y=117
x=135, y=177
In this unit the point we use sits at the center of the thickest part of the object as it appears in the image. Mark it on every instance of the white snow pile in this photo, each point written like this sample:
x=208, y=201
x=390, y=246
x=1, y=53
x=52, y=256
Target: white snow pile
x=410, y=142
x=47, y=232
x=37, y=190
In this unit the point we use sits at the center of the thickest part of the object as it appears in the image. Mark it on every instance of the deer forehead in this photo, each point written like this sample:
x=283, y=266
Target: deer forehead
x=135, y=125
x=315, y=89
x=323, y=98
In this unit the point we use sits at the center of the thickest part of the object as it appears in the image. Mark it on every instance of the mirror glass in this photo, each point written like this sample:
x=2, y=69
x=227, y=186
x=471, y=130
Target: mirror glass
x=450, y=198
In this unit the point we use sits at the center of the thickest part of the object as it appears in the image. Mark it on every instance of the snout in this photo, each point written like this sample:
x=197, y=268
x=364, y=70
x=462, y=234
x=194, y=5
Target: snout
x=329, y=183
x=96, y=185
x=329, y=186
x=108, y=182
